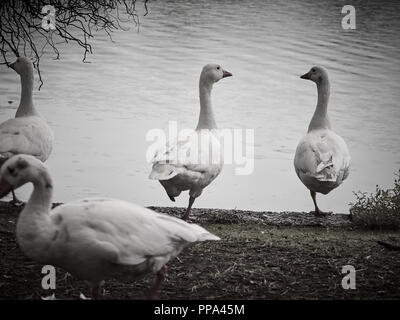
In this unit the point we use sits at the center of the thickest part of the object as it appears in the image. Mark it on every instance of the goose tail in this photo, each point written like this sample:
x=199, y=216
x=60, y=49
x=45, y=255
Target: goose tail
x=202, y=234
x=163, y=171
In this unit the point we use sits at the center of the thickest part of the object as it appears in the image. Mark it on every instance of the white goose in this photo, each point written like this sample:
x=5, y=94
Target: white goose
x=194, y=164
x=322, y=160
x=28, y=132
x=94, y=239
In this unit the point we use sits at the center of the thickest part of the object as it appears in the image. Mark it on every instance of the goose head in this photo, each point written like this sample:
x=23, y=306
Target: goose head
x=316, y=74
x=22, y=66
x=19, y=170
x=212, y=73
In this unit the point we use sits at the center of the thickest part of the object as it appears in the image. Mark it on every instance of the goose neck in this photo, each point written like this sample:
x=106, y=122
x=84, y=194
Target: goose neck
x=206, y=118
x=34, y=227
x=320, y=119
x=26, y=107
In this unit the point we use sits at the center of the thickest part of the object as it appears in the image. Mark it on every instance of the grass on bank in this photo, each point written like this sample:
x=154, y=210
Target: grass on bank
x=379, y=210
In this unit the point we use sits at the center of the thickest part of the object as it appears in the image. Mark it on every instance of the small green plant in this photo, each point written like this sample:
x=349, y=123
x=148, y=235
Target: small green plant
x=378, y=211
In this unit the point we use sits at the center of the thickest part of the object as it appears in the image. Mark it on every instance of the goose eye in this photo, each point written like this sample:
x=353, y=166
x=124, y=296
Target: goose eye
x=22, y=164
x=218, y=67
x=313, y=70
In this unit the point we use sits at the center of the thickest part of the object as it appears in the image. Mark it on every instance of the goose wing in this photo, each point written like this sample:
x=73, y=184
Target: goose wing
x=25, y=135
x=198, y=154
x=323, y=155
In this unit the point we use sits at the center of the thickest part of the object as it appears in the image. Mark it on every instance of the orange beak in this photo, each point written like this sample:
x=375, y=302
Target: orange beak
x=5, y=188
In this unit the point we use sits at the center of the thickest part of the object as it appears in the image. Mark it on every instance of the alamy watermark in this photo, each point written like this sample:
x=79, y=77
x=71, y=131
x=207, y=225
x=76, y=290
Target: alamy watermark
x=49, y=278
x=49, y=20
x=202, y=147
x=349, y=280
x=349, y=20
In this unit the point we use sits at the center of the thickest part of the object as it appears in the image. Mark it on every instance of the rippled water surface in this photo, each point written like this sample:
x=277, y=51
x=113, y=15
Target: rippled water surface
x=101, y=111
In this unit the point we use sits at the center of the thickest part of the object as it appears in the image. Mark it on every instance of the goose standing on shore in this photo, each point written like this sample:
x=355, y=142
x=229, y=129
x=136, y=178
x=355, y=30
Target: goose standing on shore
x=322, y=160
x=192, y=165
x=28, y=132
x=94, y=239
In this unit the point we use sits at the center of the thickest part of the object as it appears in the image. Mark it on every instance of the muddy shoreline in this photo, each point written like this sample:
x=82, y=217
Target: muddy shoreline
x=262, y=255
x=286, y=218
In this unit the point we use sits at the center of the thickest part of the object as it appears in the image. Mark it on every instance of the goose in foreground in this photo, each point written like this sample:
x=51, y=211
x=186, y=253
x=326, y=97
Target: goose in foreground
x=28, y=132
x=322, y=160
x=94, y=239
x=193, y=164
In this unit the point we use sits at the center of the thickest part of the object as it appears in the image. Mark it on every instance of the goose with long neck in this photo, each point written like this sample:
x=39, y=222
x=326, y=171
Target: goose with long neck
x=94, y=239
x=177, y=173
x=28, y=132
x=322, y=159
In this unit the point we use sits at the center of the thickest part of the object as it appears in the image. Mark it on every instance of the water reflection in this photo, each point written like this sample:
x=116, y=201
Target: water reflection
x=102, y=110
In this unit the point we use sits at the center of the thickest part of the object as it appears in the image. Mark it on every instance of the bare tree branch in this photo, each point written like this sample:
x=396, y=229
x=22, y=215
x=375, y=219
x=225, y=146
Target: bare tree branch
x=21, y=31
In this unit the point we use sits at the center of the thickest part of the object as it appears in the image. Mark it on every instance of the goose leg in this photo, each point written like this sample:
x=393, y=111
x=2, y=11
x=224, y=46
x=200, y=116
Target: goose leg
x=317, y=211
x=155, y=289
x=186, y=215
x=96, y=292
x=15, y=201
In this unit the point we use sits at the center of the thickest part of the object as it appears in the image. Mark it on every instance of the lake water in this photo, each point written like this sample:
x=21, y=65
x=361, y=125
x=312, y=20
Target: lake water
x=101, y=111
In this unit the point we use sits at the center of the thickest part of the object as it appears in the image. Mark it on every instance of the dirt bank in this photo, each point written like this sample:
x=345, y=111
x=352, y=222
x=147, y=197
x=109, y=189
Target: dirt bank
x=262, y=255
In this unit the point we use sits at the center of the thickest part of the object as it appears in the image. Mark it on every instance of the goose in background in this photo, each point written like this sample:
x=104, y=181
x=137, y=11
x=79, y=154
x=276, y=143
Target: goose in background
x=322, y=159
x=193, y=164
x=28, y=132
x=94, y=239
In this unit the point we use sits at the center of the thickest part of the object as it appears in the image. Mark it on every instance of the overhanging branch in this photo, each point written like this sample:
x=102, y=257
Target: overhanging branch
x=21, y=31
